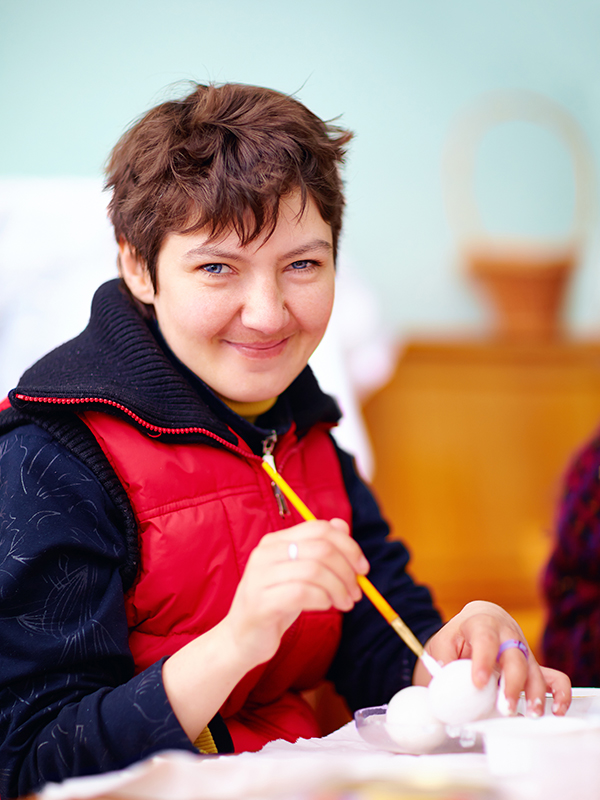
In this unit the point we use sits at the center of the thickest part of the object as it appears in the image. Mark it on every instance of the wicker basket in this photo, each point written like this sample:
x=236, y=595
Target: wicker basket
x=524, y=282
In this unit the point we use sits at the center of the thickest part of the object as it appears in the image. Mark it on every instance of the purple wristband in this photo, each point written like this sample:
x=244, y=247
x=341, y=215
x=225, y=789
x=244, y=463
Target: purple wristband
x=509, y=643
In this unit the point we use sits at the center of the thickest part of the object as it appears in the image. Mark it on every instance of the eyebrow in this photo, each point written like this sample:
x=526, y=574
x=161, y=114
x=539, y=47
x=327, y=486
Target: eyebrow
x=315, y=244
x=214, y=251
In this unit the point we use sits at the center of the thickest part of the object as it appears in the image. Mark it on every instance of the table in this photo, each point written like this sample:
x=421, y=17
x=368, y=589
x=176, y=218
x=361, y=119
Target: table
x=341, y=766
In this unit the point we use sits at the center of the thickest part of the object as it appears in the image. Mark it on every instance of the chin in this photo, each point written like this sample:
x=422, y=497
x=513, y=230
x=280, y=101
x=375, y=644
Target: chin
x=253, y=397
x=258, y=394
x=255, y=386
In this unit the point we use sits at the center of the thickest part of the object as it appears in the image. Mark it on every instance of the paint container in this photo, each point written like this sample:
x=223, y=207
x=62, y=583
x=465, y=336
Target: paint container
x=545, y=758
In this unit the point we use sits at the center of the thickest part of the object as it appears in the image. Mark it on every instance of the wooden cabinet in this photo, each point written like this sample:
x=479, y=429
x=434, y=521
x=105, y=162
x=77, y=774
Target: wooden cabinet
x=471, y=441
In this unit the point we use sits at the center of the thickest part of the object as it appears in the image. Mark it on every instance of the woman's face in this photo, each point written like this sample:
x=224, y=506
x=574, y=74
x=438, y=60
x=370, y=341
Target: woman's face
x=245, y=319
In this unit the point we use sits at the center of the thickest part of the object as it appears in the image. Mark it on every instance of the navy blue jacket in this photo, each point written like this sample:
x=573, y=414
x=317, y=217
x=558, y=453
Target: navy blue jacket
x=69, y=702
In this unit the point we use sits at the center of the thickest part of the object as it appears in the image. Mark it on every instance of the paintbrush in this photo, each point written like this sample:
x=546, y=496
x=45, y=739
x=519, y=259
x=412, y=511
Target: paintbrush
x=380, y=603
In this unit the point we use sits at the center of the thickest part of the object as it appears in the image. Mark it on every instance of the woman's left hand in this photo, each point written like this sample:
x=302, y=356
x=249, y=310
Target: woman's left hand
x=477, y=632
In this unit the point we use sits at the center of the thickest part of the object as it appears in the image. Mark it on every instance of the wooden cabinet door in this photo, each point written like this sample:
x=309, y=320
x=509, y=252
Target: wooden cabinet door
x=471, y=441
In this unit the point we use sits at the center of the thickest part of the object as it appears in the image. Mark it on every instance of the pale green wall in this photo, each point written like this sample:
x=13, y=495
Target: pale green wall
x=73, y=73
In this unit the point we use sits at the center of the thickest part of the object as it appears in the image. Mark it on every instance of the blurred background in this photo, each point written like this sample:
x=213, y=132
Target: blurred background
x=463, y=423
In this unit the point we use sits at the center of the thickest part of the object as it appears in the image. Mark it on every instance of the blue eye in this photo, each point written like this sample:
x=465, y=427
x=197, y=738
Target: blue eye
x=214, y=269
x=301, y=264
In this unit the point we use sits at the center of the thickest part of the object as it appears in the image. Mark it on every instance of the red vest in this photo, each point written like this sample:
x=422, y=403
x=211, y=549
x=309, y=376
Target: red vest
x=201, y=510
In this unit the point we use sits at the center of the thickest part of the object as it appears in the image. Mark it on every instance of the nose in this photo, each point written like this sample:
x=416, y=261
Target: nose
x=264, y=309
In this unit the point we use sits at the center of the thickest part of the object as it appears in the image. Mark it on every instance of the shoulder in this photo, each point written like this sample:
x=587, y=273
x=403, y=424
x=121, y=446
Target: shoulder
x=21, y=446
x=57, y=444
x=29, y=445
x=47, y=494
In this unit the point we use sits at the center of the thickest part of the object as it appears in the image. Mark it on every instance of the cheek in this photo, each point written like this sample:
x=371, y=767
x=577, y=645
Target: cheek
x=197, y=318
x=317, y=313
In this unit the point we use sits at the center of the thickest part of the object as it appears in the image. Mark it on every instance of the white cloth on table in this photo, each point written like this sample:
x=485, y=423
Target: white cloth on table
x=279, y=770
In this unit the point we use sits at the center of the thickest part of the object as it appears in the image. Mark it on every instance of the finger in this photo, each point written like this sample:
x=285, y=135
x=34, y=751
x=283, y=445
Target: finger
x=560, y=687
x=286, y=589
x=320, y=530
x=309, y=576
x=518, y=673
x=289, y=599
x=321, y=563
x=317, y=560
x=340, y=525
x=482, y=641
x=302, y=584
x=361, y=565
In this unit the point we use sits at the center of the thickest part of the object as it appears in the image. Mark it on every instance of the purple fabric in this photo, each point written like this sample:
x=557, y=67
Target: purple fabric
x=571, y=582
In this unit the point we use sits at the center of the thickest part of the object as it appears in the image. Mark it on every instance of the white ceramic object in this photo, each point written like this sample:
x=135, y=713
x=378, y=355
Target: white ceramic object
x=454, y=698
x=371, y=726
x=411, y=723
x=549, y=757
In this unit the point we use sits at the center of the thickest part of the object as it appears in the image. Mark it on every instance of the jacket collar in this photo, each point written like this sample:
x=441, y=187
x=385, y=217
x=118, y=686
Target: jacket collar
x=119, y=363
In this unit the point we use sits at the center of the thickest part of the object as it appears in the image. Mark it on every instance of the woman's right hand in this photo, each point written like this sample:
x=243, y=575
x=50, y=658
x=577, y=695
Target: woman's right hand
x=276, y=588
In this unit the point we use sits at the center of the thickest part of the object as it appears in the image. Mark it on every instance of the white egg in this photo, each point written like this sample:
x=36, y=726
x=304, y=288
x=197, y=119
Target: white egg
x=410, y=723
x=455, y=699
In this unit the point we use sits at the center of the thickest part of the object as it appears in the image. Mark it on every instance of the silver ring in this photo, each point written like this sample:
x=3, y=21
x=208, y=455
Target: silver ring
x=292, y=551
x=513, y=643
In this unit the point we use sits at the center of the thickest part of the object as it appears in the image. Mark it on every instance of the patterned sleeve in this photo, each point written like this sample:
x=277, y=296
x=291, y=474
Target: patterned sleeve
x=372, y=663
x=571, y=582
x=69, y=701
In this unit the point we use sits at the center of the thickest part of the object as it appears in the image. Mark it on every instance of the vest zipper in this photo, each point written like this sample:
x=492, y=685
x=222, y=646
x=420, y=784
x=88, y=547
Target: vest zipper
x=268, y=445
x=73, y=401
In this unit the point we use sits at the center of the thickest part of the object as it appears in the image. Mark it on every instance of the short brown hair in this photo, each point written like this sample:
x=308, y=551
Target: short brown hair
x=220, y=159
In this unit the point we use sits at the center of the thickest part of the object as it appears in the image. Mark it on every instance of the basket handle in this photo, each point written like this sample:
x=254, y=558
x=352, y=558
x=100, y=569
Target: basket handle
x=505, y=106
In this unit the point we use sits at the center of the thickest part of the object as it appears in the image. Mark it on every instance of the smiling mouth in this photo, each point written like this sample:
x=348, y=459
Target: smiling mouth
x=259, y=349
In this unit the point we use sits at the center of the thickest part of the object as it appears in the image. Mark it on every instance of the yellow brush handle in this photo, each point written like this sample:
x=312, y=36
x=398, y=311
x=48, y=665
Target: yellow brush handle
x=380, y=603
x=291, y=495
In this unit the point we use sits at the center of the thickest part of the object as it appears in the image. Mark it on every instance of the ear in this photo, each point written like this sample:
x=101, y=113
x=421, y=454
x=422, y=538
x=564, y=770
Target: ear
x=134, y=272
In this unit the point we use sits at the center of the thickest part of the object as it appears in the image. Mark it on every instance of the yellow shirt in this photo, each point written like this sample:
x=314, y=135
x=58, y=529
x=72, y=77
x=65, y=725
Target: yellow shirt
x=249, y=411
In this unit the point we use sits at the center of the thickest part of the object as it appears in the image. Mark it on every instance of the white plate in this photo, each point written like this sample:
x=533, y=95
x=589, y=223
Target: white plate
x=370, y=724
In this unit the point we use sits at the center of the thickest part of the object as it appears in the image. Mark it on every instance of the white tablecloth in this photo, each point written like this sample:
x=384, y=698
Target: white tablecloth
x=281, y=770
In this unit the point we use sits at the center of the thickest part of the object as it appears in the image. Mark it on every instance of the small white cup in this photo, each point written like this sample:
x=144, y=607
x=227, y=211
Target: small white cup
x=550, y=758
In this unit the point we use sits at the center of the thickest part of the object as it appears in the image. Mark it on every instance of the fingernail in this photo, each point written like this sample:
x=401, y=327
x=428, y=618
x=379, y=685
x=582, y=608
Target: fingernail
x=534, y=707
x=363, y=566
x=348, y=604
x=555, y=707
x=480, y=679
x=505, y=707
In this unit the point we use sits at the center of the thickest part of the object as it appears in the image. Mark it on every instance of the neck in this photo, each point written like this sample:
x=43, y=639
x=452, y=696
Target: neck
x=249, y=411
